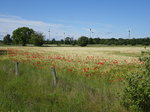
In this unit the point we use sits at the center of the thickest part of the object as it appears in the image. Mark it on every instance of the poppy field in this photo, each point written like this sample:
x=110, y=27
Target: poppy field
x=89, y=79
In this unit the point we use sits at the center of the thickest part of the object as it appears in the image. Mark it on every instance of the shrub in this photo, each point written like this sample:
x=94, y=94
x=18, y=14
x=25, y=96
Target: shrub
x=137, y=91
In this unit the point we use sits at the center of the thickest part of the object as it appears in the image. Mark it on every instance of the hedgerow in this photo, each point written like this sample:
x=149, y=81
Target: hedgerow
x=136, y=96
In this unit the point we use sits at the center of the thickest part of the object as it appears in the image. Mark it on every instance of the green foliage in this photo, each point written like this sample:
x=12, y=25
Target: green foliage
x=83, y=41
x=69, y=40
x=7, y=40
x=32, y=91
x=22, y=35
x=37, y=39
x=137, y=91
x=53, y=41
x=146, y=59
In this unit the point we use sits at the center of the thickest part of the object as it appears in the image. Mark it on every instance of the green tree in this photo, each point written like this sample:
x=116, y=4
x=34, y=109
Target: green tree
x=68, y=40
x=74, y=42
x=37, y=39
x=61, y=41
x=22, y=35
x=7, y=40
x=53, y=41
x=96, y=40
x=90, y=41
x=83, y=41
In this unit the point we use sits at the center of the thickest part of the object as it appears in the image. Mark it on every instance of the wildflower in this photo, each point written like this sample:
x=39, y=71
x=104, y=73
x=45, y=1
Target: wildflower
x=115, y=62
x=95, y=68
x=88, y=68
x=84, y=70
x=100, y=63
x=70, y=70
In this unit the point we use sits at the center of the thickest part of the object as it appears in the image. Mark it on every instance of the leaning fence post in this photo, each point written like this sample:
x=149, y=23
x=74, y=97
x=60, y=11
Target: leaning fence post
x=17, y=68
x=54, y=76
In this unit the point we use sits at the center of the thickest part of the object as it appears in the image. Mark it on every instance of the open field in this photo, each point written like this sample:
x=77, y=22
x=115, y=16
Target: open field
x=90, y=79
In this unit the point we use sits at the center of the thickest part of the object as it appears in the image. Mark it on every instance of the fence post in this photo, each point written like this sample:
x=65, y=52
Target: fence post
x=17, y=68
x=54, y=76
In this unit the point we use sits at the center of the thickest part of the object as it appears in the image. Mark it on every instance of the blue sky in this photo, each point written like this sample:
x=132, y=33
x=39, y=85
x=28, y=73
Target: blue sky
x=106, y=18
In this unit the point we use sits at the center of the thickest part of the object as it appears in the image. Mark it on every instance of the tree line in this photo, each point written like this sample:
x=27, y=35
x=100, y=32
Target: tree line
x=83, y=41
x=25, y=35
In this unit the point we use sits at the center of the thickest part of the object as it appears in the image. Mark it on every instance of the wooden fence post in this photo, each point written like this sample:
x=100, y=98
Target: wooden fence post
x=54, y=76
x=17, y=68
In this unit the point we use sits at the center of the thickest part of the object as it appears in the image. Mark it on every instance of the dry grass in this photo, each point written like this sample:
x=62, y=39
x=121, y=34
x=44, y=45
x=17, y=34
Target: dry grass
x=84, y=51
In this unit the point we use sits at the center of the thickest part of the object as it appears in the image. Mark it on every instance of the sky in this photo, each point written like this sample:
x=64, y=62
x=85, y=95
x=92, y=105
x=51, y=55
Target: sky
x=75, y=18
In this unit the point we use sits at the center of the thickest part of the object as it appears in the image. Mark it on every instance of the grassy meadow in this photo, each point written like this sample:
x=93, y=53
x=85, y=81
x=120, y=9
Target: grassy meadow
x=89, y=79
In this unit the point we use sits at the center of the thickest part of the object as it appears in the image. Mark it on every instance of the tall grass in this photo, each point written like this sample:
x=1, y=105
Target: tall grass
x=33, y=91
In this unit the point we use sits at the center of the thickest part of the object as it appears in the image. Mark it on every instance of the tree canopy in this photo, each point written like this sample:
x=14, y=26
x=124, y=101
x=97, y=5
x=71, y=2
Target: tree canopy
x=7, y=40
x=22, y=35
x=68, y=40
x=37, y=39
x=83, y=41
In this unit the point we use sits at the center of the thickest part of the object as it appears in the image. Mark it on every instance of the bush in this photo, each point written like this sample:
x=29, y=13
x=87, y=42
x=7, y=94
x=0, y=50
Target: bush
x=137, y=91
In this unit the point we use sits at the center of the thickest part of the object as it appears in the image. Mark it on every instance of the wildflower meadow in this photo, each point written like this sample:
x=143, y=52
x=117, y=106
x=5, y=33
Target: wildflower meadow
x=89, y=79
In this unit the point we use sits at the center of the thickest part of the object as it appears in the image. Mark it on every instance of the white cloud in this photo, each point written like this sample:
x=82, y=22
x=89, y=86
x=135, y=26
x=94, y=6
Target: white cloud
x=9, y=23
